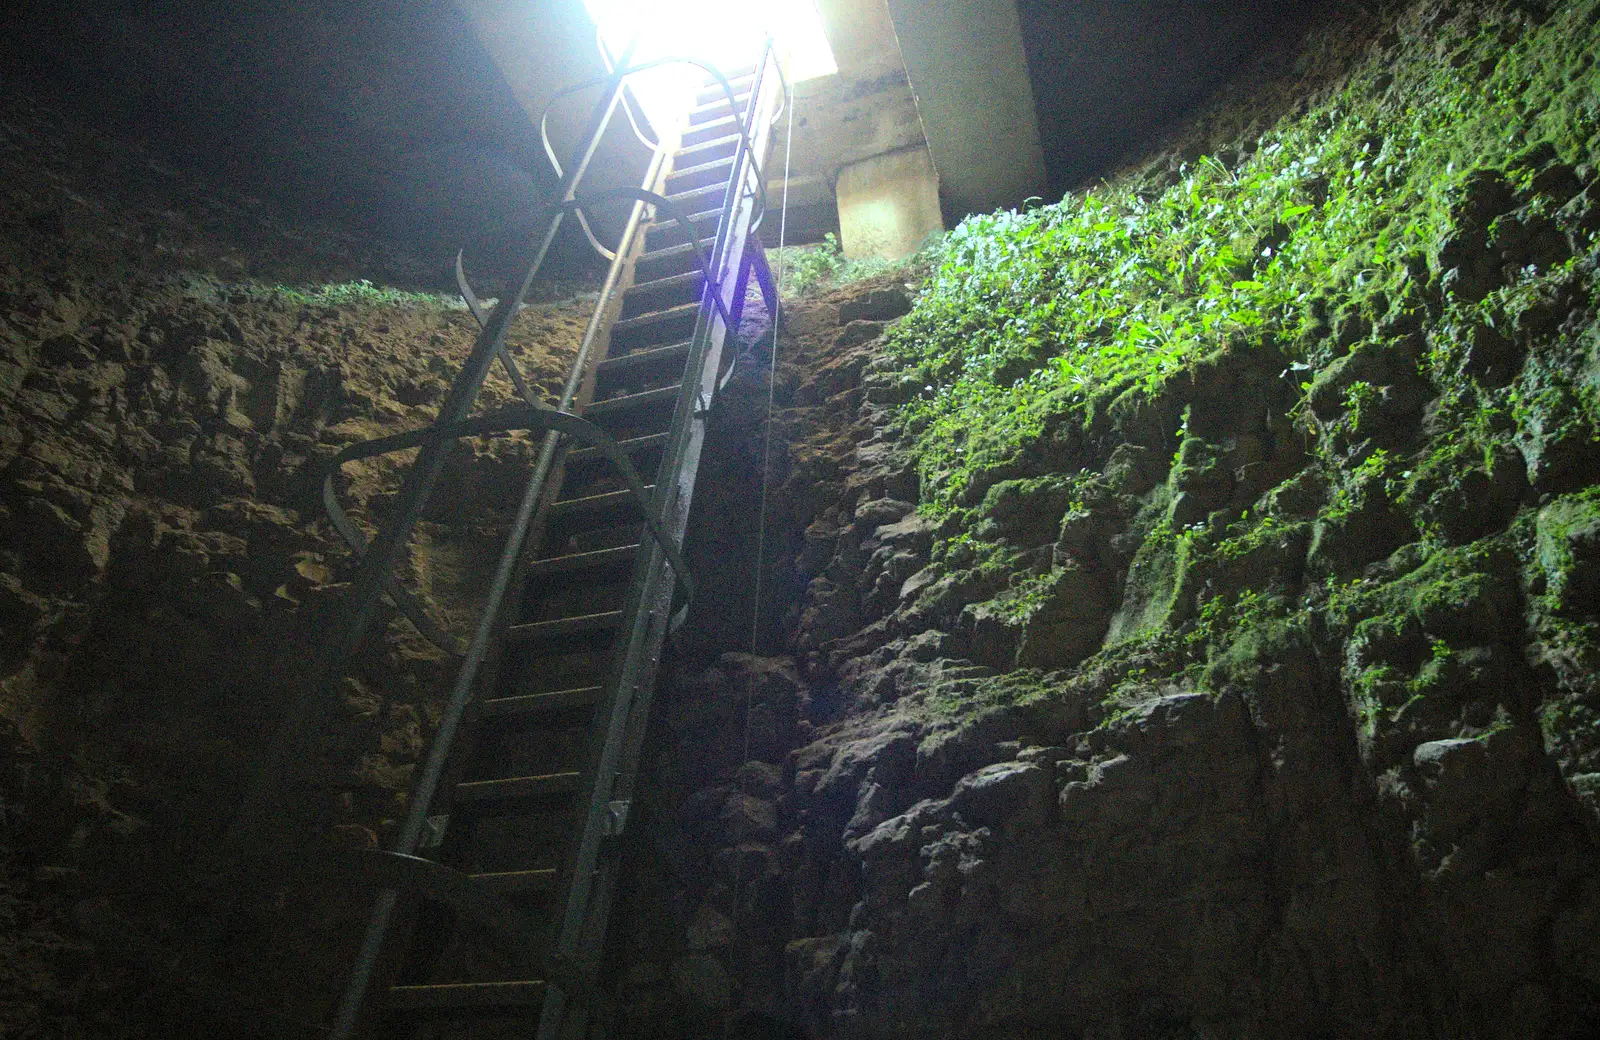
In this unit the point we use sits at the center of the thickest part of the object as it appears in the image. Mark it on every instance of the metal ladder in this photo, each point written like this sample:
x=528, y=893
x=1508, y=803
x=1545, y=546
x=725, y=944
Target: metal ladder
x=493, y=903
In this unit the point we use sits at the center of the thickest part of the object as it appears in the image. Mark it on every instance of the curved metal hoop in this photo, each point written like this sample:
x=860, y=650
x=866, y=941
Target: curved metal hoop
x=627, y=105
x=585, y=431
x=673, y=210
x=516, y=417
x=733, y=104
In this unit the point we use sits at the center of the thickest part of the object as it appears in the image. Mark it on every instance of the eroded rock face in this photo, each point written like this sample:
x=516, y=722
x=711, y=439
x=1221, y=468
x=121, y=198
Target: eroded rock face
x=989, y=802
x=164, y=563
x=1000, y=772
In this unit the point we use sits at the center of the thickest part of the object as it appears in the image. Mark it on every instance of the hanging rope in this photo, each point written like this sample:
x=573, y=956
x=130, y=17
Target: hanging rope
x=761, y=525
x=772, y=383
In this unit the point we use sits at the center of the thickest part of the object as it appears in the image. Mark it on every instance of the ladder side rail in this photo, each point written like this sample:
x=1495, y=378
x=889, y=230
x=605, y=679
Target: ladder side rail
x=423, y=797
x=285, y=758
x=742, y=238
x=696, y=397
x=492, y=619
x=631, y=685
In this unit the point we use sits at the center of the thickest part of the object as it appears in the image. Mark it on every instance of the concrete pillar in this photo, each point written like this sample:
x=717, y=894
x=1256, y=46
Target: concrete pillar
x=970, y=76
x=888, y=204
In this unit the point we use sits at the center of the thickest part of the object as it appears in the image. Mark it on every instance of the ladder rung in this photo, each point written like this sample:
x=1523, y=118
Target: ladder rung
x=701, y=168
x=466, y=995
x=642, y=325
x=691, y=198
x=560, y=700
x=645, y=320
x=656, y=317
x=727, y=126
x=704, y=223
x=642, y=359
x=678, y=257
x=539, y=631
x=718, y=96
x=714, y=97
x=630, y=402
x=516, y=788
x=620, y=556
x=584, y=456
x=736, y=73
x=709, y=94
x=706, y=111
x=511, y=881
x=714, y=172
x=669, y=253
x=667, y=284
x=601, y=503
x=654, y=295
x=717, y=148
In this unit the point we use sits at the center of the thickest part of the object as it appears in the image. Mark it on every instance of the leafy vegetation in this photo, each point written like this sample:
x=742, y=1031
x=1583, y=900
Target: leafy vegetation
x=807, y=270
x=1411, y=259
x=1333, y=222
x=361, y=293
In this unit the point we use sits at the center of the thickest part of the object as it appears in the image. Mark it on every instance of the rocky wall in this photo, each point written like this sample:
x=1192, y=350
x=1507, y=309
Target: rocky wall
x=1251, y=696
x=176, y=369
x=1180, y=716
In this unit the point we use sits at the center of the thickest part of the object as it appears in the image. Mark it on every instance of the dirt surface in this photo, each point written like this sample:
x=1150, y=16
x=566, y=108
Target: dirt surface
x=176, y=368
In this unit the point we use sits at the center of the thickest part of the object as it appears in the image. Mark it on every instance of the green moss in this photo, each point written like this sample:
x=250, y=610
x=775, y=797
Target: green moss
x=1262, y=637
x=1154, y=577
x=963, y=698
x=360, y=293
x=1254, y=534
x=1416, y=259
x=1568, y=540
x=1358, y=487
x=1321, y=234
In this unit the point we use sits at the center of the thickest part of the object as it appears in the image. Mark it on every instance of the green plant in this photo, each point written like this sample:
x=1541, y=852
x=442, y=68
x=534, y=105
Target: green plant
x=808, y=269
x=360, y=293
x=1097, y=302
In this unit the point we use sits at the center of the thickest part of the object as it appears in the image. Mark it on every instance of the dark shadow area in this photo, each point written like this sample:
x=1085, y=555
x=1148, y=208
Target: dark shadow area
x=1106, y=75
x=386, y=117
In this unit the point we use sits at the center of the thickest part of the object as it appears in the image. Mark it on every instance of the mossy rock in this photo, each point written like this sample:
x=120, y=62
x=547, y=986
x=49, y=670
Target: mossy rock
x=1558, y=422
x=1270, y=554
x=1026, y=512
x=1569, y=552
x=1463, y=493
x=1199, y=483
x=1070, y=622
x=1345, y=543
x=1157, y=592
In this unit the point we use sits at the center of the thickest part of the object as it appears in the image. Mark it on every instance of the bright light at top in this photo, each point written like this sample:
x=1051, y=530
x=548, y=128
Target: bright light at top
x=728, y=34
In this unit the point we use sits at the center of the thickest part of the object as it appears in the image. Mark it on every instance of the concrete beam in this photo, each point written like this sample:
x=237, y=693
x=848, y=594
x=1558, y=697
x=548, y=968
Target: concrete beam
x=889, y=205
x=542, y=47
x=970, y=76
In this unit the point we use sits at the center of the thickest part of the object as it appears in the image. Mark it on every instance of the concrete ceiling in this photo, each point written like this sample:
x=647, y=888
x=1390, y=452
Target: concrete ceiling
x=543, y=47
x=392, y=114
x=950, y=75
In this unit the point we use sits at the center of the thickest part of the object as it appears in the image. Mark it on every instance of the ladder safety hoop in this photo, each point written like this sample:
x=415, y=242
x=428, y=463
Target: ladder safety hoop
x=722, y=81
x=673, y=210
x=515, y=417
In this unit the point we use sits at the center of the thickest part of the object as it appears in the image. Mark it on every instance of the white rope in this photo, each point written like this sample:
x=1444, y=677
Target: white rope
x=761, y=527
x=766, y=433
